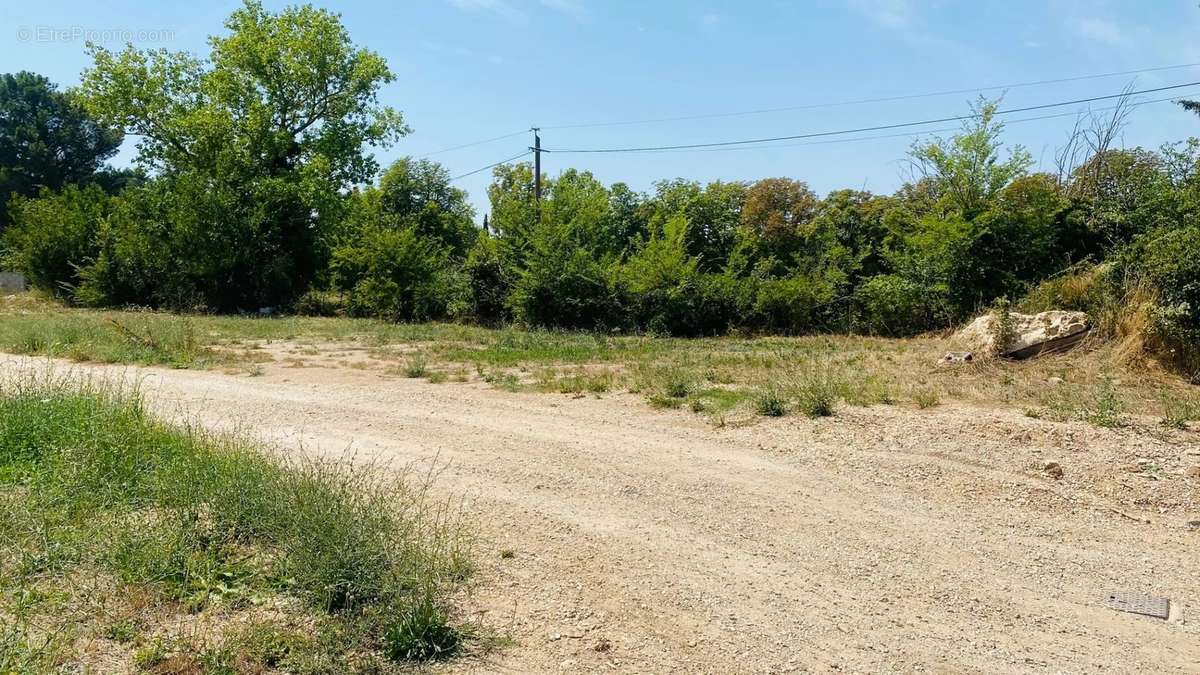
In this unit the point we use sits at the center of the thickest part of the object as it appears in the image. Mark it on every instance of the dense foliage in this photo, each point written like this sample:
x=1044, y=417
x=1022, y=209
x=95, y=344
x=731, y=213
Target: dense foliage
x=47, y=141
x=261, y=194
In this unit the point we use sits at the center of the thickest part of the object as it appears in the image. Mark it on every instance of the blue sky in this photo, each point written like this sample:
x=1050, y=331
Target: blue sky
x=473, y=69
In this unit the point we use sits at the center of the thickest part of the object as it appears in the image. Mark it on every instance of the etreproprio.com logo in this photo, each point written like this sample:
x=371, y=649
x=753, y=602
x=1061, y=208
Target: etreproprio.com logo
x=85, y=34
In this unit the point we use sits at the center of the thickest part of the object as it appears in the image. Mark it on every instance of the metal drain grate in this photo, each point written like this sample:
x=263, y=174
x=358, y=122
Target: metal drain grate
x=1146, y=605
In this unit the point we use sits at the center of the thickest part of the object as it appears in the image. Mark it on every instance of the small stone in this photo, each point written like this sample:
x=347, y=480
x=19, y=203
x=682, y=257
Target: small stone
x=602, y=646
x=1054, y=380
x=1194, y=472
x=1053, y=469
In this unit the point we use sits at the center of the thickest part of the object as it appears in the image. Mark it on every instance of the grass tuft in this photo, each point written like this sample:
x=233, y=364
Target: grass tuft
x=416, y=367
x=926, y=398
x=770, y=403
x=422, y=633
x=678, y=386
x=816, y=395
x=1178, y=412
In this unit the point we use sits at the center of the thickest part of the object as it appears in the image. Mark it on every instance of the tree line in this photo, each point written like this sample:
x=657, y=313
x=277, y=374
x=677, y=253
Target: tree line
x=255, y=186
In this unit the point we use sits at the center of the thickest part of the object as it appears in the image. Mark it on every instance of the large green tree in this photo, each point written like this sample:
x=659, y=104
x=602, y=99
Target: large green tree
x=47, y=140
x=263, y=138
x=418, y=194
x=712, y=213
x=968, y=168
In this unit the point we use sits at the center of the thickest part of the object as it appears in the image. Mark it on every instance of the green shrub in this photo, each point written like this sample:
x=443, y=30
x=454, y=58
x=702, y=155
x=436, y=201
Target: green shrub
x=320, y=303
x=54, y=235
x=567, y=287
x=892, y=305
x=1085, y=290
x=1167, y=261
x=667, y=292
x=791, y=305
x=1004, y=334
x=398, y=275
x=490, y=279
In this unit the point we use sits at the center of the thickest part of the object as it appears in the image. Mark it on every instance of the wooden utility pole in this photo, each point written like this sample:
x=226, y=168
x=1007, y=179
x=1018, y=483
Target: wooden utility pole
x=537, y=169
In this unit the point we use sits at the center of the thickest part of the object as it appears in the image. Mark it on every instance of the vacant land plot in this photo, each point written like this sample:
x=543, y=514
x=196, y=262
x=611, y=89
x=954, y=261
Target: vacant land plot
x=617, y=536
x=727, y=380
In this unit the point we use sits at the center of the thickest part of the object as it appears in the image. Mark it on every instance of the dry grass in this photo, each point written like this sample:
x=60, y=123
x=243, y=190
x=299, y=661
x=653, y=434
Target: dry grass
x=713, y=376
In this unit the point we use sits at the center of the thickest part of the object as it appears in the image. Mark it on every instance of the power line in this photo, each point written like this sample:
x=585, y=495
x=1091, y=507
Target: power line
x=494, y=164
x=885, y=99
x=903, y=134
x=881, y=127
x=473, y=143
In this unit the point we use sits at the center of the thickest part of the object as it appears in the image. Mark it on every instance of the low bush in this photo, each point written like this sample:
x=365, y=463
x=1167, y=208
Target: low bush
x=1167, y=262
x=321, y=303
x=53, y=236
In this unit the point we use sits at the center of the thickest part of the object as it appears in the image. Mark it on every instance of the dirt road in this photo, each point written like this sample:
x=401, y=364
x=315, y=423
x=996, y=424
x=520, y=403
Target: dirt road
x=883, y=539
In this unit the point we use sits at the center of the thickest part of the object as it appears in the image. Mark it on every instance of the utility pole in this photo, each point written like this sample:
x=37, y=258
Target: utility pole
x=537, y=169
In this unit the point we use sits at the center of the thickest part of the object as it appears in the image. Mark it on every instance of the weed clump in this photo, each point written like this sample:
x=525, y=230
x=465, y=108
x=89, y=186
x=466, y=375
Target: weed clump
x=422, y=633
x=926, y=398
x=1106, y=410
x=816, y=396
x=1176, y=413
x=1003, y=331
x=678, y=386
x=770, y=403
x=416, y=367
x=663, y=401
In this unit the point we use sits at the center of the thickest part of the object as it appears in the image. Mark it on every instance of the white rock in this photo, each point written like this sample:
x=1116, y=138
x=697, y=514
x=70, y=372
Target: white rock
x=1033, y=334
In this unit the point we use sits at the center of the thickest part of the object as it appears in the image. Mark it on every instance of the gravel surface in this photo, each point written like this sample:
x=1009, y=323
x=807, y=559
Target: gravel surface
x=617, y=538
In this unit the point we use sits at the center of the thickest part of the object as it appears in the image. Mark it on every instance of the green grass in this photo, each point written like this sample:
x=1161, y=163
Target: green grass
x=106, y=512
x=1100, y=404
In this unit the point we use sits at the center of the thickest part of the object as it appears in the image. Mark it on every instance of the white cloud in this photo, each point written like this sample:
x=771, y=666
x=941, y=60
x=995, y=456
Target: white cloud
x=572, y=8
x=896, y=14
x=1103, y=31
x=498, y=8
